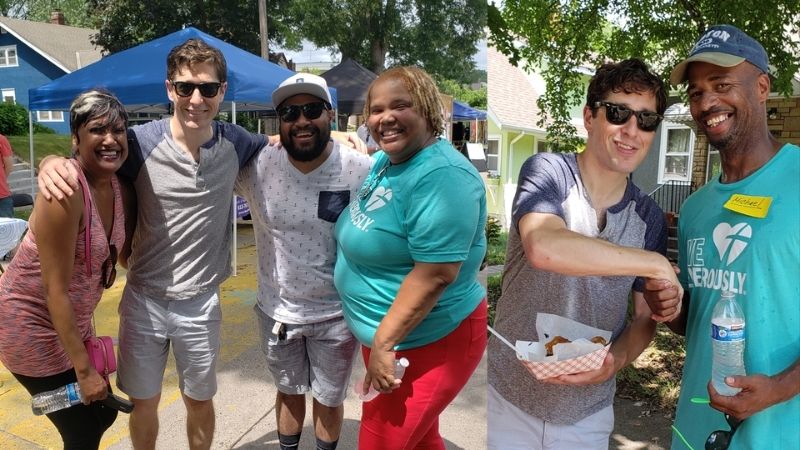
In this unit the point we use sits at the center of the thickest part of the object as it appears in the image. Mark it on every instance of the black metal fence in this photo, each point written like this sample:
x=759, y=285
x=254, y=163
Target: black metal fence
x=670, y=195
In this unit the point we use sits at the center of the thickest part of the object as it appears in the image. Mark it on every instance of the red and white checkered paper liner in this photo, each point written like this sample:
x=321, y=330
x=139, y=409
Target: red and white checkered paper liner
x=584, y=363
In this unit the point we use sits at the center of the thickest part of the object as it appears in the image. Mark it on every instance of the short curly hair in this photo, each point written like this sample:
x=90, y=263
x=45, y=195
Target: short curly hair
x=94, y=103
x=196, y=51
x=628, y=76
x=425, y=96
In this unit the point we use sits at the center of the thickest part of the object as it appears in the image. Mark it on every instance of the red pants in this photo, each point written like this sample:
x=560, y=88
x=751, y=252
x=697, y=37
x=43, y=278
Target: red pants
x=408, y=418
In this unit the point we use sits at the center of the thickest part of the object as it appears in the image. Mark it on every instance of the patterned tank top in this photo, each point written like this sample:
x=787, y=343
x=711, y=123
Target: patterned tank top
x=29, y=344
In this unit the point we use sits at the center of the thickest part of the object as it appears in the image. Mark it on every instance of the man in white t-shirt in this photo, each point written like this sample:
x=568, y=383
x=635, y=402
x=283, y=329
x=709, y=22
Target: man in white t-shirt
x=295, y=194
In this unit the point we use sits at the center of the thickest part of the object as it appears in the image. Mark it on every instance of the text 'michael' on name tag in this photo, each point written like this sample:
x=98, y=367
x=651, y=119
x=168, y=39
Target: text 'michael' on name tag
x=749, y=205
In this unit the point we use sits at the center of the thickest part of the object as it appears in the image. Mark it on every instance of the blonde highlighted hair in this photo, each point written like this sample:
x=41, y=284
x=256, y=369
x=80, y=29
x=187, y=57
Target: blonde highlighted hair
x=94, y=103
x=425, y=96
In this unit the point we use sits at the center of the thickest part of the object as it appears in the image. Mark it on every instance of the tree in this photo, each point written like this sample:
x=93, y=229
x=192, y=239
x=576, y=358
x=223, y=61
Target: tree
x=477, y=98
x=75, y=12
x=554, y=37
x=437, y=35
x=126, y=23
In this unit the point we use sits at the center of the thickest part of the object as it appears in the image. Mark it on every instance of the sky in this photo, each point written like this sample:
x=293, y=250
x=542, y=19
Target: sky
x=311, y=53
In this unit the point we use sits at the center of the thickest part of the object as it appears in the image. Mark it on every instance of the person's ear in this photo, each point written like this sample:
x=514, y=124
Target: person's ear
x=588, y=118
x=764, y=87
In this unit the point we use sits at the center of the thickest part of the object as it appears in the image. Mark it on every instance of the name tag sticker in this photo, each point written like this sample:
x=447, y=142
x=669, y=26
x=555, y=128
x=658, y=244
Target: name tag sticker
x=749, y=205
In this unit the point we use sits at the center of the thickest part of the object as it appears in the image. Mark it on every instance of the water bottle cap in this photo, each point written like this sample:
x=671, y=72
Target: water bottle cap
x=403, y=362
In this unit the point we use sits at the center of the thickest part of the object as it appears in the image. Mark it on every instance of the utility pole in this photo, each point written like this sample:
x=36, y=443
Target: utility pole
x=262, y=27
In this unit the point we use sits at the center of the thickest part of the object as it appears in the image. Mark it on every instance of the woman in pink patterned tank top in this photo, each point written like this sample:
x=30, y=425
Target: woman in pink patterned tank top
x=50, y=290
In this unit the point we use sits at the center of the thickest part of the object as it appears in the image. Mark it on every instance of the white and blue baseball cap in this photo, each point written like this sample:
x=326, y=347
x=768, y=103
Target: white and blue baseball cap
x=301, y=83
x=724, y=46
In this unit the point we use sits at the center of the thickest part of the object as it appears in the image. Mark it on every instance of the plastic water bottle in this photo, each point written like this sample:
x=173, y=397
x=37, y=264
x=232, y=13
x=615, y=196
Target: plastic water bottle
x=57, y=399
x=399, y=370
x=727, y=340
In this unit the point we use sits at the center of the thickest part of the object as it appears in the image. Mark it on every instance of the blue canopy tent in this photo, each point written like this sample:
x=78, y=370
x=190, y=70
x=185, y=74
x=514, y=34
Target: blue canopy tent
x=462, y=111
x=136, y=76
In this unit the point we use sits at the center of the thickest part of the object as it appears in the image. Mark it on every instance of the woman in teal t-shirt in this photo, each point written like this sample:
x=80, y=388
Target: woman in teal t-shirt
x=409, y=251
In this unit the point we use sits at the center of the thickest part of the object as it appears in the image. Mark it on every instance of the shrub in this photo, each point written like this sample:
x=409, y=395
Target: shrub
x=494, y=285
x=13, y=119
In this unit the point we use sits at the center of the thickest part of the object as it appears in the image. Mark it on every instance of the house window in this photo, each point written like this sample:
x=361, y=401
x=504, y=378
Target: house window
x=8, y=56
x=714, y=167
x=675, y=159
x=493, y=157
x=50, y=116
x=542, y=147
x=9, y=95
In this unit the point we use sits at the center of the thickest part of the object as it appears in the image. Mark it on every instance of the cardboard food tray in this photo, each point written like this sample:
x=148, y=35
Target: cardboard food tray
x=547, y=369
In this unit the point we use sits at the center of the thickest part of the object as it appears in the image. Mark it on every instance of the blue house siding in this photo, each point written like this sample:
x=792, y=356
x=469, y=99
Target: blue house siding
x=33, y=71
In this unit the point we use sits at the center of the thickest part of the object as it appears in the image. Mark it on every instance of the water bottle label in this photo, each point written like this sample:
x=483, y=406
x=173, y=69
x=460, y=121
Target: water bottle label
x=72, y=394
x=727, y=333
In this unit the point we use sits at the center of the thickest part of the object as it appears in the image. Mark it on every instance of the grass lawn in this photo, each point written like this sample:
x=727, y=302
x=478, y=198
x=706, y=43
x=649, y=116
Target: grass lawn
x=43, y=145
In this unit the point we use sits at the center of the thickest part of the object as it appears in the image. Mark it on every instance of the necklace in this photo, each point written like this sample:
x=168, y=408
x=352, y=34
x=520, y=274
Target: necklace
x=372, y=182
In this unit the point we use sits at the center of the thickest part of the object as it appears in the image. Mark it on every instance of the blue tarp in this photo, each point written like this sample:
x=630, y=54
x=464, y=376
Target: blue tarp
x=137, y=75
x=462, y=111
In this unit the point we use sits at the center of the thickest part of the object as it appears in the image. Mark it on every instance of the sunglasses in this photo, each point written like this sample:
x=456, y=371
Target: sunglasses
x=619, y=114
x=311, y=111
x=186, y=89
x=721, y=439
x=109, y=267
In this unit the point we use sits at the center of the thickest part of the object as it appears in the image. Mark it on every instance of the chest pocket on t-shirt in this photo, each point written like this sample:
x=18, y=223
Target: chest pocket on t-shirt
x=331, y=204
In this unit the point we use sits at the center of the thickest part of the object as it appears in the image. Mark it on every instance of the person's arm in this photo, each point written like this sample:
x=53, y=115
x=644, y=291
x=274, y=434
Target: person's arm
x=57, y=177
x=624, y=350
x=56, y=224
x=351, y=141
x=418, y=293
x=131, y=214
x=758, y=393
x=8, y=165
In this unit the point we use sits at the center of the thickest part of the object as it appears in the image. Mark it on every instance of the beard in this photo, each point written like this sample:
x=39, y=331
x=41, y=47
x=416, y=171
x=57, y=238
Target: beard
x=308, y=152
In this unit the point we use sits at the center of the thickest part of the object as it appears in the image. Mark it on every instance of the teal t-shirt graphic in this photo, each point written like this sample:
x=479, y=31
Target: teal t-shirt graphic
x=759, y=260
x=431, y=209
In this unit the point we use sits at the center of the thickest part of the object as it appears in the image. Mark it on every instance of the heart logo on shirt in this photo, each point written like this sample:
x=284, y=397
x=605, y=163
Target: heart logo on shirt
x=380, y=197
x=731, y=240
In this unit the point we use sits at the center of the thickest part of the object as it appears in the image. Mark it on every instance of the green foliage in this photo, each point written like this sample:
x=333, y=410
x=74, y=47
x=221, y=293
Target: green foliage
x=13, y=119
x=477, y=98
x=496, y=240
x=494, y=285
x=437, y=35
x=126, y=23
x=76, y=13
x=555, y=38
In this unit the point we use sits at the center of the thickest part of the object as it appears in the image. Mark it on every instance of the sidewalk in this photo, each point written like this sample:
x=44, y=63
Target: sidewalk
x=245, y=399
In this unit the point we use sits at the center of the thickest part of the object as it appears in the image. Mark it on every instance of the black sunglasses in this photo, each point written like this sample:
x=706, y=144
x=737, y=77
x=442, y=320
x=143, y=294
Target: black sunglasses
x=109, y=267
x=721, y=439
x=186, y=89
x=311, y=111
x=619, y=114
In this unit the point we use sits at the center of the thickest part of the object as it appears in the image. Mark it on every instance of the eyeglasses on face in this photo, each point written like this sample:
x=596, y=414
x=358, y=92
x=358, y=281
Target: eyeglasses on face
x=721, y=439
x=186, y=89
x=619, y=114
x=110, y=267
x=311, y=111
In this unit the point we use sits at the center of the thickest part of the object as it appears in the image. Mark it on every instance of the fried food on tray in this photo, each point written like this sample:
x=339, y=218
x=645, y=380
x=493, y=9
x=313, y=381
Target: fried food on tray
x=562, y=340
x=553, y=342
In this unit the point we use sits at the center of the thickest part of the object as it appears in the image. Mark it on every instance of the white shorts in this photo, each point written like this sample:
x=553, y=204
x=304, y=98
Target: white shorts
x=314, y=357
x=510, y=428
x=148, y=327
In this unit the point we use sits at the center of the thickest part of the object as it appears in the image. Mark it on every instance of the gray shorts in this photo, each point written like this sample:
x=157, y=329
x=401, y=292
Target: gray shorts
x=148, y=327
x=314, y=357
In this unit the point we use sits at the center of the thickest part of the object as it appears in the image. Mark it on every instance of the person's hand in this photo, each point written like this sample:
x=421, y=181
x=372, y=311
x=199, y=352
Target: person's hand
x=664, y=296
x=274, y=140
x=93, y=387
x=758, y=393
x=350, y=140
x=57, y=178
x=596, y=376
x=380, y=371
